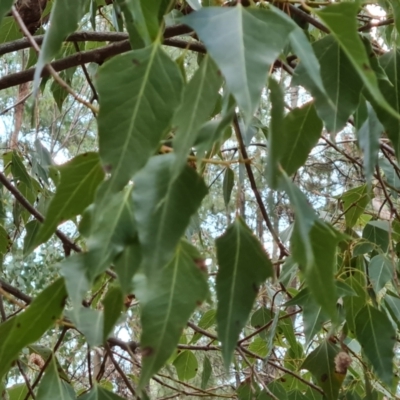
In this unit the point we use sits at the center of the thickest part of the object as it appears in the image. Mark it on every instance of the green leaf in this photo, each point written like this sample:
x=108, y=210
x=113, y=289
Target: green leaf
x=17, y=392
x=255, y=39
x=206, y=373
x=380, y=271
x=302, y=129
x=5, y=7
x=321, y=364
x=52, y=387
x=341, y=19
x=377, y=337
x=227, y=185
x=198, y=102
x=393, y=305
x=243, y=267
x=127, y=264
x=99, y=393
x=91, y=323
x=207, y=320
x=163, y=208
x=353, y=304
x=354, y=203
x=368, y=139
x=341, y=81
x=79, y=180
x=29, y=326
x=129, y=135
x=64, y=18
x=186, y=365
x=113, y=304
x=113, y=228
x=19, y=171
x=9, y=30
x=32, y=228
x=377, y=232
x=277, y=137
x=259, y=346
x=168, y=301
x=261, y=317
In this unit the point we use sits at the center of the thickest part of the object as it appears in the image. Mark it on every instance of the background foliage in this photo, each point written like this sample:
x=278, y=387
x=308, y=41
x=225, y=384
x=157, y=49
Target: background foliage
x=199, y=199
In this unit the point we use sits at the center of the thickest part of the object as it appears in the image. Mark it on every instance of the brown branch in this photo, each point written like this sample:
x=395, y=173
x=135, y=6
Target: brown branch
x=307, y=18
x=282, y=248
x=371, y=25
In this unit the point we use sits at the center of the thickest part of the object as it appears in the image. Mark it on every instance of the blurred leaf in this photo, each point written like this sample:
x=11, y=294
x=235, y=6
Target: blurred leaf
x=302, y=129
x=354, y=203
x=168, y=301
x=368, y=139
x=392, y=302
x=259, y=347
x=377, y=233
x=29, y=326
x=5, y=7
x=353, y=304
x=186, y=365
x=91, y=323
x=198, y=102
x=207, y=320
x=79, y=180
x=9, y=30
x=341, y=81
x=229, y=181
x=256, y=37
x=321, y=364
x=99, y=393
x=129, y=135
x=32, y=228
x=163, y=208
x=380, y=271
x=113, y=304
x=237, y=284
x=206, y=373
x=17, y=392
x=52, y=387
x=64, y=18
x=377, y=337
x=341, y=20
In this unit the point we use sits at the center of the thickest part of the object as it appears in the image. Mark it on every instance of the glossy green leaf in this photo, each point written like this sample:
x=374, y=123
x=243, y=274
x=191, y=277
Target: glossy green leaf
x=29, y=326
x=244, y=56
x=64, y=18
x=113, y=305
x=127, y=264
x=206, y=372
x=227, y=185
x=341, y=20
x=129, y=135
x=321, y=364
x=52, y=387
x=368, y=139
x=377, y=337
x=168, y=301
x=198, y=102
x=5, y=7
x=163, y=208
x=302, y=129
x=79, y=180
x=380, y=270
x=354, y=203
x=341, y=81
x=207, y=320
x=186, y=365
x=243, y=267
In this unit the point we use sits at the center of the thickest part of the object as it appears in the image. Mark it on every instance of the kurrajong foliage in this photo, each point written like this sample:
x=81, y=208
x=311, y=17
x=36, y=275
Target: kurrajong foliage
x=199, y=199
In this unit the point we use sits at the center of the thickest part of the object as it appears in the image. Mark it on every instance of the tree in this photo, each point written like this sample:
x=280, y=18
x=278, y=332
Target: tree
x=199, y=199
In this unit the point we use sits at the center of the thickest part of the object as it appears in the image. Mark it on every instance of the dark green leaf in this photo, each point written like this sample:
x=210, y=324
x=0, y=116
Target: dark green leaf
x=79, y=180
x=163, y=208
x=321, y=364
x=206, y=373
x=5, y=7
x=113, y=304
x=354, y=203
x=129, y=135
x=207, y=320
x=255, y=39
x=32, y=228
x=377, y=337
x=198, y=102
x=377, y=233
x=52, y=387
x=186, y=365
x=229, y=180
x=341, y=20
x=29, y=326
x=381, y=271
x=237, y=284
x=368, y=139
x=168, y=301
